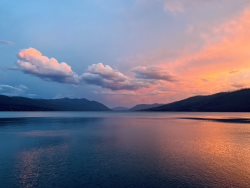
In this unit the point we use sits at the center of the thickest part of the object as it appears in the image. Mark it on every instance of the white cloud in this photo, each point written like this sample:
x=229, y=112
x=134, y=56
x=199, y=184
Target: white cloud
x=32, y=61
x=12, y=90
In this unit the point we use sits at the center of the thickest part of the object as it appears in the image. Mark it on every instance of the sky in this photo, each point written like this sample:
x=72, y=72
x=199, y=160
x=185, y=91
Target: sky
x=123, y=52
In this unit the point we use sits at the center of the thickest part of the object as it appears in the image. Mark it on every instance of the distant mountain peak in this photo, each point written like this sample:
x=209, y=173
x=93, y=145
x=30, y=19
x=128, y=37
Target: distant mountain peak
x=141, y=107
x=120, y=108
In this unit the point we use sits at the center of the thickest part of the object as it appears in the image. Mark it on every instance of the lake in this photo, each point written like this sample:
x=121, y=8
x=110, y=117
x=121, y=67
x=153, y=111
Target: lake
x=123, y=150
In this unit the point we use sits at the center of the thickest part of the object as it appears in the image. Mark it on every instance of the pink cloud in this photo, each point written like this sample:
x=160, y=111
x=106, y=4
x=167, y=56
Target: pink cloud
x=32, y=61
x=226, y=50
x=222, y=64
x=206, y=70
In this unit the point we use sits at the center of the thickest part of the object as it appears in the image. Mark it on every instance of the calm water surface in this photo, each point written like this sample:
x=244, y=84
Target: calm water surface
x=105, y=150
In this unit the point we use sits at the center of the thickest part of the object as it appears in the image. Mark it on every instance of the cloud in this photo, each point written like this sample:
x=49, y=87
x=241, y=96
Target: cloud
x=238, y=86
x=32, y=61
x=107, y=77
x=223, y=60
x=219, y=63
x=13, y=90
x=6, y=43
x=229, y=51
x=173, y=6
x=185, y=6
x=153, y=73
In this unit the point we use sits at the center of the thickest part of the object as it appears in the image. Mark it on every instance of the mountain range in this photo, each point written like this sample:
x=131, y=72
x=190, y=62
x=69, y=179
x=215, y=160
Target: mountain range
x=236, y=101
x=64, y=104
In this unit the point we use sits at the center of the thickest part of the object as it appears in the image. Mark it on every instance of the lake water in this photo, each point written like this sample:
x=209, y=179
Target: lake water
x=123, y=150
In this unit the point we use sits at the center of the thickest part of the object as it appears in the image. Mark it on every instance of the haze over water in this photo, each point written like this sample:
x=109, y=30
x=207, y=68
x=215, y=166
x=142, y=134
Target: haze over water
x=75, y=149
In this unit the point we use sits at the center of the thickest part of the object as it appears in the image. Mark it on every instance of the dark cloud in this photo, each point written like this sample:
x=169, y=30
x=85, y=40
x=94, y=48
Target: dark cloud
x=238, y=86
x=6, y=42
x=107, y=77
x=153, y=73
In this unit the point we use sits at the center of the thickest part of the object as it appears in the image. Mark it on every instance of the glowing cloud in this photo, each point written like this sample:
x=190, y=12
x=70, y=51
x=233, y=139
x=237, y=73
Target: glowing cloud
x=222, y=64
x=225, y=58
x=32, y=61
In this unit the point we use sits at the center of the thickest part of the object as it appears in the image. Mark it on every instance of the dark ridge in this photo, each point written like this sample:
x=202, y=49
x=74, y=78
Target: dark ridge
x=141, y=107
x=236, y=101
x=64, y=104
x=225, y=120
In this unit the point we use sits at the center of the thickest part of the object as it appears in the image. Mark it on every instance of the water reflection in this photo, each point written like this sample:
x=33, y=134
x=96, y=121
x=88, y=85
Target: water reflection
x=44, y=151
x=131, y=151
x=200, y=153
x=36, y=164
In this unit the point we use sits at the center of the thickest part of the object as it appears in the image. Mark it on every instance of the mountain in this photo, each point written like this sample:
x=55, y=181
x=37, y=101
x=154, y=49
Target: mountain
x=236, y=101
x=64, y=104
x=120, y=108
x=142, y=107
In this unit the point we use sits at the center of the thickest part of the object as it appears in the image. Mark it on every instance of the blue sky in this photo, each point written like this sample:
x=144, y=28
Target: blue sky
x=123, y=52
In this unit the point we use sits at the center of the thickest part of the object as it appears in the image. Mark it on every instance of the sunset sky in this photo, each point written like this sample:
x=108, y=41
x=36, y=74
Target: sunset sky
x=123, y=52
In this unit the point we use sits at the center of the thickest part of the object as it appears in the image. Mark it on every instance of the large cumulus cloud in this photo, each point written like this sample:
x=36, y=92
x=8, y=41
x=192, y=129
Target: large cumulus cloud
x=32, y=61
x=107, y=77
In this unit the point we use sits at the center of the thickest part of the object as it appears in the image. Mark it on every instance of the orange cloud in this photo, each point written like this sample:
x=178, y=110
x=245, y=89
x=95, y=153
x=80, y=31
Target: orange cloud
x=224, y=61
x=222, y=64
